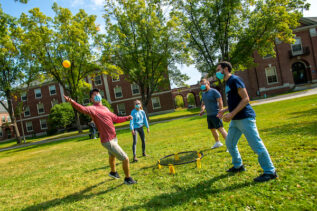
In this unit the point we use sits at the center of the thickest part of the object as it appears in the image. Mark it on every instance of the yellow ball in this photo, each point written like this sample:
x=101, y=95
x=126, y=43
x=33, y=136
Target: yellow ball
x=66, y=64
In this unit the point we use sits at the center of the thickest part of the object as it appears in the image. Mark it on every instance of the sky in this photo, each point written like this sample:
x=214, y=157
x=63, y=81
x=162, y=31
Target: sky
x=95, y=7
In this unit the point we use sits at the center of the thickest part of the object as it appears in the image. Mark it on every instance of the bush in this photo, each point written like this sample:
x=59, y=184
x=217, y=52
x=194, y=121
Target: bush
x=61, y=116
x=179, y=102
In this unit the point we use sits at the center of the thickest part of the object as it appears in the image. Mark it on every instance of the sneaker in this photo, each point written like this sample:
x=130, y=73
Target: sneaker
x=216, y=145
x=114, y=175
x=236, y=170
x=265, y=177
x=135, y=160
x=144, y=155
x=129, y=181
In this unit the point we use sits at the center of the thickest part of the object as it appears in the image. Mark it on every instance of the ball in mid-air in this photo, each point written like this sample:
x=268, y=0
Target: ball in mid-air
x=66, y=64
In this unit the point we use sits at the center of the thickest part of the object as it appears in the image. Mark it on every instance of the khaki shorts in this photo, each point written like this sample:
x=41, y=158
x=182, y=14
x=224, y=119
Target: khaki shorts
x=114, y=149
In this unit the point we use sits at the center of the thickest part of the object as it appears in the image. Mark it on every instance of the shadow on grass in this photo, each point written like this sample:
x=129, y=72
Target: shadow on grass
x=310, y=112
x=71, y=198
x=293, y=128
x=184, y=195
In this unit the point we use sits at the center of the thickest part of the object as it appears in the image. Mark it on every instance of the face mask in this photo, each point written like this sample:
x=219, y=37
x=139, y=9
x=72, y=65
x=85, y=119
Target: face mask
x=203, y=87
x=219, y=75
x=137, y=106
x=97, y=98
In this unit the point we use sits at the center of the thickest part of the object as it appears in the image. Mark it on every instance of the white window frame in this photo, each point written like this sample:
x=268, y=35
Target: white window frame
x=1, y=132
x=35, y=93
x=115, y=79
x=24, y=95
x=132, y=89
x=27, y=108
x=8, y=119
x=158, y=102
x=50, y=90
x=119, y=112
x=3, y=118
x=313, y=32
x=266, y=75
x=299, y=52
x=52, y=102
x=102, y=93
x=95, y=80
x=26, y=126
x=38, y=108
x=114, y=90
x=43, y=128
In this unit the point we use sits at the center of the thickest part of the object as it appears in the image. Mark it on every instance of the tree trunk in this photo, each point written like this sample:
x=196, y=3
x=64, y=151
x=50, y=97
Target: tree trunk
x=223, y=93
x=13, y=119
x=78, y=121
x=22, y=128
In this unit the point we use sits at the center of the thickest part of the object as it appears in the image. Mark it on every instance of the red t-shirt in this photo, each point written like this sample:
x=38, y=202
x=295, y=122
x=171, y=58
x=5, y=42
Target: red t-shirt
x=103, y=119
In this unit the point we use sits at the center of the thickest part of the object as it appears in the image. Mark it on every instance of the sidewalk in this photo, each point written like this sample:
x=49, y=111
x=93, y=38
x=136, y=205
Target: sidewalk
x=258, y=102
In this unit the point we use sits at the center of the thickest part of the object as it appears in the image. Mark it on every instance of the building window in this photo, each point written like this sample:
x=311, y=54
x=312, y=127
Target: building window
x=271, y=75
x=29, y=126
x=135, y=89
x=52, y=89
x=27, y=111
x=23, y=96
x=115, y=78
x=38, y=93
x=3, y=119
x=121, y=109
x=102, y=93
x=86, y=101
x=98, y=80
x=156, y=103
x=297, y=48
x=118, y=92
x=268, y=56
x=313, y=32
x=43, y=124
x=40, y=108
x=1, y=133
x=9, y=119
x=54, y=102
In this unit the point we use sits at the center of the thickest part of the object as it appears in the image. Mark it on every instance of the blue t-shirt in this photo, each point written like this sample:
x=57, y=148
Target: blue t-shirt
x=210, y=100
x=233, y=97
x=139, y=119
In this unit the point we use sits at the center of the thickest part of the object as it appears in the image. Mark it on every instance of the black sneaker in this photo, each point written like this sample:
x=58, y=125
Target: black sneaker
x=265, y=177
x=144, y=155
x=114, y=175
x=236, y=170
x=129, y=181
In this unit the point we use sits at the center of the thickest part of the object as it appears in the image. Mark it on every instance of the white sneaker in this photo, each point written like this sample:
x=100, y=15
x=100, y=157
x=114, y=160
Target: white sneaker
x=216, y=145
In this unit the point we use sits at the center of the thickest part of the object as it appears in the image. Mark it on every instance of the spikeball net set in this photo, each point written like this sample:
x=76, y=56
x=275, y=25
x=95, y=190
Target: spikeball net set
x=180, y=158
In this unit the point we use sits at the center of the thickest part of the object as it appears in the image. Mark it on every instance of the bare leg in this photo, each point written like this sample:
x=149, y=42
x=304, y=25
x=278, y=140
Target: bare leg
x=112, y=163
x=125, y=165
x=223, y=132
x=215, y=134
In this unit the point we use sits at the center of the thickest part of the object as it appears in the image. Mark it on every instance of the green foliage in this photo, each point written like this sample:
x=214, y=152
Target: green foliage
x=233, y=30
x=61, y=116
x=191, y=99
x=179, y=102
x=144, y=44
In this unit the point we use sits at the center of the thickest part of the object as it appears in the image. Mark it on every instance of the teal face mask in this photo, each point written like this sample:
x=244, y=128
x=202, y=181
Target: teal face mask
x=203, y=87
x=137, y=106
x=219, y=75
x=97, y=98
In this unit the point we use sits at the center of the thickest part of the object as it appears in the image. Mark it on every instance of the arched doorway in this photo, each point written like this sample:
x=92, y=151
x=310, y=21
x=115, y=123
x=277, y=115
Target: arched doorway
x=299, y=73
x=191, y=101
x=179, y=101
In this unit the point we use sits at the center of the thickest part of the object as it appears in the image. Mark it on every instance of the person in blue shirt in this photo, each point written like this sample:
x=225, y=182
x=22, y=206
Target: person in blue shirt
x=212, y=103
x=242, y=118
x=136, y=125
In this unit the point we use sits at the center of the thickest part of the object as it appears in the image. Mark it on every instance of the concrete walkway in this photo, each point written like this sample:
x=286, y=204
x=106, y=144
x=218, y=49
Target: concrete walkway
x=258, y=102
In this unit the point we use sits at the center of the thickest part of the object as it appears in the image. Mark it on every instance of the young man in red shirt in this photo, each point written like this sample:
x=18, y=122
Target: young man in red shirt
x=104, y=119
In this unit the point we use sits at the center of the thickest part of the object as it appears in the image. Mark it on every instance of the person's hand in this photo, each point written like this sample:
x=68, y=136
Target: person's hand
x=130, y=117
x=201, y=113
x=133, y=132
x=68, y=99
x=220, y=113
x=148, y=130
x=227, y=117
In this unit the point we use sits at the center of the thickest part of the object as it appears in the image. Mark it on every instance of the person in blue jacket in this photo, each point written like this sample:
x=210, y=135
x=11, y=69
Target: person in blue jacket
x=136, y=125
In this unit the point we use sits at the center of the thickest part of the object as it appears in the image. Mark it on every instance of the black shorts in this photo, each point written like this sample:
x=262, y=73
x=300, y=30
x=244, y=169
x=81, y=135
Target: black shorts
x=214, y=122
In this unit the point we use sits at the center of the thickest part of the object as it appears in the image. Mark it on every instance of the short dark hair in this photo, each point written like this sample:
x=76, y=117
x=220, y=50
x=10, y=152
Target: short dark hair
x=92, y=91
x=225, y=64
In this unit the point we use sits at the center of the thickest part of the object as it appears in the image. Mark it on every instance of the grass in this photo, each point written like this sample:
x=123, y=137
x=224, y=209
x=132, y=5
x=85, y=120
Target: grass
x=72, y=174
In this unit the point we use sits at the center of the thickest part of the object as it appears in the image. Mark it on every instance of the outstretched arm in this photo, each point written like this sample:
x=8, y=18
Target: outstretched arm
x=77, y=106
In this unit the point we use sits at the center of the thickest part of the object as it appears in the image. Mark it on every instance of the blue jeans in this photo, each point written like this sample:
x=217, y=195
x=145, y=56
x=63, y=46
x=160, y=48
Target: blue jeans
x=248, y=128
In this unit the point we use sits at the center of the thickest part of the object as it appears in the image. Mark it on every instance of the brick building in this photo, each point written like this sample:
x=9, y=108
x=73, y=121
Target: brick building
x=6, y=129
x=41, y=97
x=295, y=64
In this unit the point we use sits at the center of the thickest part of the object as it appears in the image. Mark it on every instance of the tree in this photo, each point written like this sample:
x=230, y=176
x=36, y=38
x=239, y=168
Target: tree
x=233, y=30
x=16, y=64
x=179, y=102
x=61, y=116
x=144, y=44
x=66, y=36
x=22, y=1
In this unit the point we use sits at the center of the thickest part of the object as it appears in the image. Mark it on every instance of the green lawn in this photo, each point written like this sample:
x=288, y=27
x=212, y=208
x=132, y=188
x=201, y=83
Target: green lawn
x=72, y=174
